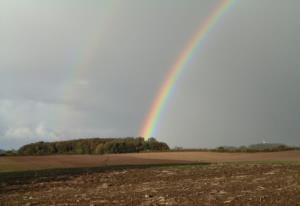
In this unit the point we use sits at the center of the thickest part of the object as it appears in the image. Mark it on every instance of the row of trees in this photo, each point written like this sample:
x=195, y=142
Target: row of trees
x=94, y=146
x=266, y=147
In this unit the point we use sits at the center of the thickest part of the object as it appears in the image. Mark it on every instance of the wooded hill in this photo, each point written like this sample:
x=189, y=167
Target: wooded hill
x=94, y=146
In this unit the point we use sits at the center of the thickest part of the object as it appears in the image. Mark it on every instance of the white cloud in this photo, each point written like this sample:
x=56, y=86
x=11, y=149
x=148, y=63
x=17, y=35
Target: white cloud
x=40, y=131
x=83, y=83
x=20, y=132
x=25, y=119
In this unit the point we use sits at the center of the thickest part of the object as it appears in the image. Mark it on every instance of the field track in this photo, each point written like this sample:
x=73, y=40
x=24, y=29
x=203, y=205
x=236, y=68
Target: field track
x=22, y=163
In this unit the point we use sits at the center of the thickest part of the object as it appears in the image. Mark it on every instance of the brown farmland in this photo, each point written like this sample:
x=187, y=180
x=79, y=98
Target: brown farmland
x=20, y=163
x=231, y=179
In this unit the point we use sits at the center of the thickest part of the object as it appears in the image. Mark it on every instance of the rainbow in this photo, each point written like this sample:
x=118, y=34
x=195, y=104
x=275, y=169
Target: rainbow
x=86, y=54
x=84, y=59
x=154, y=115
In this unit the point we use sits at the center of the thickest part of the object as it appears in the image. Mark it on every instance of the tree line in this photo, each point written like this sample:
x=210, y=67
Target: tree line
x=94, y=146
x=264, y=147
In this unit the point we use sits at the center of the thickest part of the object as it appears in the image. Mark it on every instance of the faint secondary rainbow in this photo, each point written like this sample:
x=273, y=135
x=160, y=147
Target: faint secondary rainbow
x=86, y=54
x=84, y=59
x=153, y=117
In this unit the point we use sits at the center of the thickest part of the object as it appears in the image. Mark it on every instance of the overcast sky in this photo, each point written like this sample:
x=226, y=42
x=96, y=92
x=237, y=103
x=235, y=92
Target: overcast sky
x=91, y=68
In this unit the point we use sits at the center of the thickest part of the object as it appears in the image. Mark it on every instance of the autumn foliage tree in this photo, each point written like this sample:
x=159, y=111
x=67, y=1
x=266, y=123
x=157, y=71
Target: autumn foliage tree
x=94, y=146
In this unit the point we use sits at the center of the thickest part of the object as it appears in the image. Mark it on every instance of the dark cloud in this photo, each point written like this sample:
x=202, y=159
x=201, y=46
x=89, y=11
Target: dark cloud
x=92, y=68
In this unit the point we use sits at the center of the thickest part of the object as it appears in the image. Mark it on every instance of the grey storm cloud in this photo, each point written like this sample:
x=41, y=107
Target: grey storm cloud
x=71, y=69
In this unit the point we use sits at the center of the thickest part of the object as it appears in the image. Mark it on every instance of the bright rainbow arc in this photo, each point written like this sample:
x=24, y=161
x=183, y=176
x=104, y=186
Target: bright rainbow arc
x=165, y=90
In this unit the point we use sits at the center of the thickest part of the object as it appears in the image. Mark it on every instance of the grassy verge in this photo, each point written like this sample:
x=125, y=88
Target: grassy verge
x=282, y=162
x=23, y=177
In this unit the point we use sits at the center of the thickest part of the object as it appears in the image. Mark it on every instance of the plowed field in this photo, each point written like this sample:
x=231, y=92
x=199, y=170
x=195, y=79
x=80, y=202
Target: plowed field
x=230, y=179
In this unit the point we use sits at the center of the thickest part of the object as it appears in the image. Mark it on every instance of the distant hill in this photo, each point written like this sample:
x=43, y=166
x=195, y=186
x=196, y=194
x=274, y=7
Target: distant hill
x=93, y=146
x=7, y=152
x=262, y=147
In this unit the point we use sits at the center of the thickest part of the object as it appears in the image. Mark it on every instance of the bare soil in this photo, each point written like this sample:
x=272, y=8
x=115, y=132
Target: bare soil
x=21, y=163
x=24, y=163
x=231, y=179
x=214, y=184
x=293, y=155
